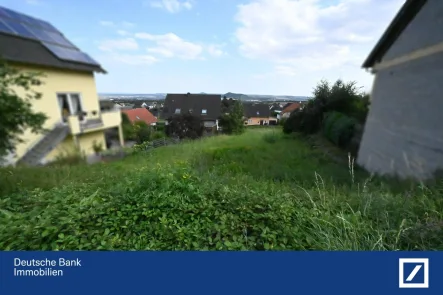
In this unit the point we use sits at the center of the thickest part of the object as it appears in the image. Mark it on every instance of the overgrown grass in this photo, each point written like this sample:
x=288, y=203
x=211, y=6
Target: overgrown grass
x=257, y=191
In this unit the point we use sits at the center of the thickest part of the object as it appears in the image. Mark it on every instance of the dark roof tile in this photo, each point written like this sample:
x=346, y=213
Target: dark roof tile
x=193, y=103
x=257, y=110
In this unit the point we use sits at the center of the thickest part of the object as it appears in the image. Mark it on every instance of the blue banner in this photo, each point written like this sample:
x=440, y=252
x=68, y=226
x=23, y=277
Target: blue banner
x=221, y=273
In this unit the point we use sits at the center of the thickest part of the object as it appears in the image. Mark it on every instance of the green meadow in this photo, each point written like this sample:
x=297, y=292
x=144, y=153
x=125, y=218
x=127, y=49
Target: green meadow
x=261, y=190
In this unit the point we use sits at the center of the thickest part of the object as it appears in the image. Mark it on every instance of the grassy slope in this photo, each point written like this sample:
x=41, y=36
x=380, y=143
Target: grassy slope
x=260, y=190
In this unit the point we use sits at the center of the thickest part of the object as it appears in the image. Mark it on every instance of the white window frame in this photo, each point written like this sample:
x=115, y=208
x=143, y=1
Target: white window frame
x=177, y=111
x=204, y=111
x=68, y=96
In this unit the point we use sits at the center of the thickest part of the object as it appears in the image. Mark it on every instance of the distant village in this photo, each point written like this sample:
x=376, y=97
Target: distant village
x=256, y=112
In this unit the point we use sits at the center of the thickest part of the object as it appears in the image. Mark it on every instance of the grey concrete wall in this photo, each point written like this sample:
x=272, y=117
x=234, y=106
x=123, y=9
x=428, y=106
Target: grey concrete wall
x=425, y=30
x=404, y=131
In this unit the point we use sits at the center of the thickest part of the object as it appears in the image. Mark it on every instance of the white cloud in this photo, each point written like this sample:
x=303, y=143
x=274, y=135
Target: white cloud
x=216, y=50
x=123, y=24
x=133, y=59
x=115, y=51
x=312, y=35
x=170, y=45
x=285, y=70
x=123, y=32
x=128, y=24
x=106, y=23
x=118, y=45
x=172, y=6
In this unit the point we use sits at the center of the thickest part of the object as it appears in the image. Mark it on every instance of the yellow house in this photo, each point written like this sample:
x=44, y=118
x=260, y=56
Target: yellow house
x=258, y=114
x=69, y=97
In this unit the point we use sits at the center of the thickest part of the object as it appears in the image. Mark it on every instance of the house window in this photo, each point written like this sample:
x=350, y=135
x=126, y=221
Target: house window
x=177, y=111
x=70, y=104
x=258, y=113
x=204, y=111
x=249, y=121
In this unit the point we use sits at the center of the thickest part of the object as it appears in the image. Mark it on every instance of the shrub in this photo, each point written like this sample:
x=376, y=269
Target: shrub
x=340, y=97
x=142, y=146
x=68, y=158
x=233, y=123
x=157, y=135
x=128, y=130
x=339, y=128
x=160, y=127
x=97, y=147
x=185, y=126
x=142, y=131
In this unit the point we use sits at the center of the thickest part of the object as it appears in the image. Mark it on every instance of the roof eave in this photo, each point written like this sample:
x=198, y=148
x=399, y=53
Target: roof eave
x=406, y=13
x=102, y=71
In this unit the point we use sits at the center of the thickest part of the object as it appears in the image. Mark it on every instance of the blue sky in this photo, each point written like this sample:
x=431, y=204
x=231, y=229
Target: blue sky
x=281, y=47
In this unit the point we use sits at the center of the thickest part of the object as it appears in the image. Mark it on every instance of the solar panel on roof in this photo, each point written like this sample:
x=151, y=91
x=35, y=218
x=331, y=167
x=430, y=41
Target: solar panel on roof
x=47, y=26
x=33, y=22
x=41, y=35
x=60, y=39
x=3, y=12
x=22, y=25
x=19, y=29
x=4, y=28
x=91, y=60
x=70, y=54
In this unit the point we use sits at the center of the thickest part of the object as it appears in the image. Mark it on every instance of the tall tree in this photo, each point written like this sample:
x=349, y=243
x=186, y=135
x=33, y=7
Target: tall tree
x=17, y=94
x=233, y=122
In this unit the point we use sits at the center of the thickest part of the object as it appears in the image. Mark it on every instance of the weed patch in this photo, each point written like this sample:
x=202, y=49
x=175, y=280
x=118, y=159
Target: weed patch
x=219, y=193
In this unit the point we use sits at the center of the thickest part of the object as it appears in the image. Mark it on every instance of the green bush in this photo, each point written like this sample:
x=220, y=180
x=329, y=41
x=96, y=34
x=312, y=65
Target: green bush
x=339, y=128
x=160, y=127
x=185, y=126
x=69, y=158
x=142, y=146
x=233, y=122
x=142, y=131
x=282, y=121
x=157, y=135
x=339, y=97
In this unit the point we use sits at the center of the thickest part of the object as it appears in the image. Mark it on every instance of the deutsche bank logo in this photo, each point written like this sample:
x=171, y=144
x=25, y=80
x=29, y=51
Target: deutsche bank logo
x=413, y=273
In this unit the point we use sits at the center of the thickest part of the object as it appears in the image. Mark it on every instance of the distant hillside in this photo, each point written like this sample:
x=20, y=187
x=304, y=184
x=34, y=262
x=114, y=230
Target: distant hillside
x=240, y=96
x=261, y=97
x=236, y=96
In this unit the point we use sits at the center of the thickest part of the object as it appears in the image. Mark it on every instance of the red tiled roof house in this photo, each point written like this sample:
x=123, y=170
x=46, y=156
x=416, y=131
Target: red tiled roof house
x=141, y=114
x=286, y=112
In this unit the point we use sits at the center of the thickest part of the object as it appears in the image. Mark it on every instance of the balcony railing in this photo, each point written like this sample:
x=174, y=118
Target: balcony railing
x=86, y=123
